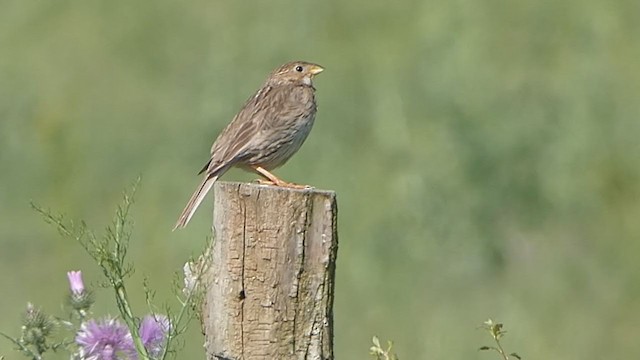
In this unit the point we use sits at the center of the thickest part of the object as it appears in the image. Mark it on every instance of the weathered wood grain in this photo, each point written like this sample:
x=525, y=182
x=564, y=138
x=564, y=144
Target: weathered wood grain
x=271, y=281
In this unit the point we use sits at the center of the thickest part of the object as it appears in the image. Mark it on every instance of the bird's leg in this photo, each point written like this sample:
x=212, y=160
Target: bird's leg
x=274, y=180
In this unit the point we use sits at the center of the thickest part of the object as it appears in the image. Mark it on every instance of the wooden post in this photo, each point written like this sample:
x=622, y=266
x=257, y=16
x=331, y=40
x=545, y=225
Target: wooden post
x=271, y=279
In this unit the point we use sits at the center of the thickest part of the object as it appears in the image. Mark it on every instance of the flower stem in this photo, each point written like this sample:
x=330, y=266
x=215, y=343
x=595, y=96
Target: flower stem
x=28, y=352
x=500, y=349
x=129, y=319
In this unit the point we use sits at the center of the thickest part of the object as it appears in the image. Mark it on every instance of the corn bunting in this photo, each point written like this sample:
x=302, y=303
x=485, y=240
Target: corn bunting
x=268, y=130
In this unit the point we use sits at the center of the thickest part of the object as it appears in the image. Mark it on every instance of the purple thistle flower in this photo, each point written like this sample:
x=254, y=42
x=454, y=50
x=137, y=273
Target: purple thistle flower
x=80, y=298
x=153, y=333
x=75, y=282
x=103, y=340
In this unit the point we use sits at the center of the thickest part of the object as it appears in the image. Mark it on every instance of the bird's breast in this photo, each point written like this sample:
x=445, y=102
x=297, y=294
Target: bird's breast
x=279, y=146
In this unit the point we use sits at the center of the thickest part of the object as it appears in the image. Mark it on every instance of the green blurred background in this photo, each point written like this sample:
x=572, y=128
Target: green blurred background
x=486, y=157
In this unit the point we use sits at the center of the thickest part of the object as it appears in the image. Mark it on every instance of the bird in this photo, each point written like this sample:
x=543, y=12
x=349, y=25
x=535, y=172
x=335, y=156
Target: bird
x=265, y=133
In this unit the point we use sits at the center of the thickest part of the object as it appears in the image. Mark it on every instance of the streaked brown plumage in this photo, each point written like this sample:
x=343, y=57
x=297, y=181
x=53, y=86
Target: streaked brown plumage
x=268, y=130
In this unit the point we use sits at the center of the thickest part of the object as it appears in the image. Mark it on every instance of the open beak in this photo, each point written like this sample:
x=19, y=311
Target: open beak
x=316, y=69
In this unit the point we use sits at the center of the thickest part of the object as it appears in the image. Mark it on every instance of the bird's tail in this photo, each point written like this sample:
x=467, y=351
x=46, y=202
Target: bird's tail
x=195, y=201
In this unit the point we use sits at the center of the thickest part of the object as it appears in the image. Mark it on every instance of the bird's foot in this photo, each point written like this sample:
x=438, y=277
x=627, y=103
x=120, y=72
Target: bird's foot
x=282, y=183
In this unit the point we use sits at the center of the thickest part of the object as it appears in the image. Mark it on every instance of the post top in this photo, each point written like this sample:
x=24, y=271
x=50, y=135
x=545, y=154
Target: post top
x=256, y=186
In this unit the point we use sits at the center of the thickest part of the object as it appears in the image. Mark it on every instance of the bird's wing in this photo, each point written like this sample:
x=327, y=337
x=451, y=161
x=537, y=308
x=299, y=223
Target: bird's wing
x=232, y=144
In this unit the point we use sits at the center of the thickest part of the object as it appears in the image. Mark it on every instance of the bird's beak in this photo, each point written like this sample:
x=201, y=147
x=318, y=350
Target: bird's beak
x=316, y=69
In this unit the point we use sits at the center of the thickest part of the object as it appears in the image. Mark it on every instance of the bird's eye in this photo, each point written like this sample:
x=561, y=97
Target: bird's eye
x=299, y=68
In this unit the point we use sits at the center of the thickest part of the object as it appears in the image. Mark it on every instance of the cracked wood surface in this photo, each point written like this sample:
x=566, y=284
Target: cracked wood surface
x=271, y=281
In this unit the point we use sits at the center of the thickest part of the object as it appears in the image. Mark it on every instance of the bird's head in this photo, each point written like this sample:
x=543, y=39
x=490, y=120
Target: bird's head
x=300, y=72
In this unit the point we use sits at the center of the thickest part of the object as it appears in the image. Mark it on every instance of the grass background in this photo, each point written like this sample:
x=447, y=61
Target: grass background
x=485, y=154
